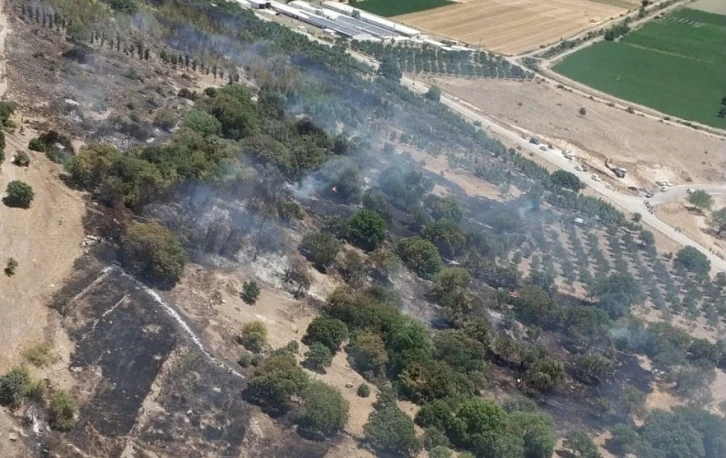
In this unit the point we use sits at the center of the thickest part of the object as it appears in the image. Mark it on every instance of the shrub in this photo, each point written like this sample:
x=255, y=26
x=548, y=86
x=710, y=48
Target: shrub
x=21, y=159
x=39, y=355
x=582, y=111
x=253, y=336
x=63, y=412
x=324, y=411
x=250, y=292
x=433, y=94
x=19, y=194
x=318, y=357
x=165, y=119
x=11, y=267
x=363, y=390
x=245, y=359
x=330, y=332
x=153, y=252
x=14, y=386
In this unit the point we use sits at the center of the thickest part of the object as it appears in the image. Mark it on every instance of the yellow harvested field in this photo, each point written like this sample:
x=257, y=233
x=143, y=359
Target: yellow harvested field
x=512, y=26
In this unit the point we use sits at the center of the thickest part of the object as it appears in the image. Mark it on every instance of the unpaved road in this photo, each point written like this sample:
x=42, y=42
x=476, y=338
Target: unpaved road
x=628, y=203
x=631, y=204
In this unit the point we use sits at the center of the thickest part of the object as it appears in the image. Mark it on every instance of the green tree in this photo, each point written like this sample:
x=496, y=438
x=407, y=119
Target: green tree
x=254, y=336
x=434, y=93
x=701, y=199
x=391, y=432
x=234, y=109
x=276, y=380
x=389, y=69
x=593, y=367
x=250, y=292
x=420, y=255
x=318, y=357
x=367, y=353
x=14, y=386
x=534, y=305
x=324, y=411
x=91, y=166
x=450, y=280
x=693, y=260
x=447, y=207
x=330, y=332
x=718, y=221
x=460, y=351
x=448, y=238
x=202, y=122
x=581, y=444
x=545, y=374
x=366, y=229
x=153, y=252
x=320, y=248
x=63, y=412
x=18, y=194
x=565, y=179
x=537, y=430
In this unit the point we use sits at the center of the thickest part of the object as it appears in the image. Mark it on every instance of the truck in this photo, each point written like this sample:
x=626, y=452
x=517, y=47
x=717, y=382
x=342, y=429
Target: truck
x=618, y=171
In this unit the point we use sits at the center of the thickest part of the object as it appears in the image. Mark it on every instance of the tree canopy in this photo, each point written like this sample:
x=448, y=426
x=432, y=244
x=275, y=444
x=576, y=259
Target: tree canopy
x=701, y=199
x=420, y=255
x=153, y=252
x=693, y=260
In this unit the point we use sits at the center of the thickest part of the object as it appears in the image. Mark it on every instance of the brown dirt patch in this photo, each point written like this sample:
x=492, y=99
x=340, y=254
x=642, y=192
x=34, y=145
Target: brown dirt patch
x=512, y=27
x=632, y=141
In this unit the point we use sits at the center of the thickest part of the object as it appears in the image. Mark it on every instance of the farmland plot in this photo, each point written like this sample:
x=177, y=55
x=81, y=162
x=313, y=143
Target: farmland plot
x=674, y=65
x=512, y=27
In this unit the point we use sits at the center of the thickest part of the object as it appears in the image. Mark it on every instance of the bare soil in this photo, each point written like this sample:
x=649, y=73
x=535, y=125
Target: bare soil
x=45, y=240
x=649, y=149
x=693, y=223
x=513, y=27
x=710, y=6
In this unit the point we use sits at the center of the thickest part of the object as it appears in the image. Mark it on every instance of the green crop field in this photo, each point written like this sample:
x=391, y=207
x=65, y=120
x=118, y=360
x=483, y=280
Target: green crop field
x=673, y=66
x=395, y=8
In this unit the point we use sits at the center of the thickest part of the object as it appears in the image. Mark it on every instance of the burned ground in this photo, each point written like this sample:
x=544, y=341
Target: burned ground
x=143, y=384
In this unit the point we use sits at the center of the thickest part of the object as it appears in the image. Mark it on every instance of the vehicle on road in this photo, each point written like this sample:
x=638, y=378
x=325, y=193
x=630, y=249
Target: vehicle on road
x=596, y=177
x=690, y=190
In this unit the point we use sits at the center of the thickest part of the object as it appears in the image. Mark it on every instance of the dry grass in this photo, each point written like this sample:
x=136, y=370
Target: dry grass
x=40, y=355
x=512, y=27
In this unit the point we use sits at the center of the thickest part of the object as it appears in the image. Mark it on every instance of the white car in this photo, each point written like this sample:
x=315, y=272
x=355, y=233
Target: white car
x=578, y=168
x=664, y=189
x=690, y=190
x=596, y=177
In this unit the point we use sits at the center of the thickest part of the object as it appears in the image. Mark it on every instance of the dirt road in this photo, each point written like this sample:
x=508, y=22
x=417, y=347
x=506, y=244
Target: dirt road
x=630, y=204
